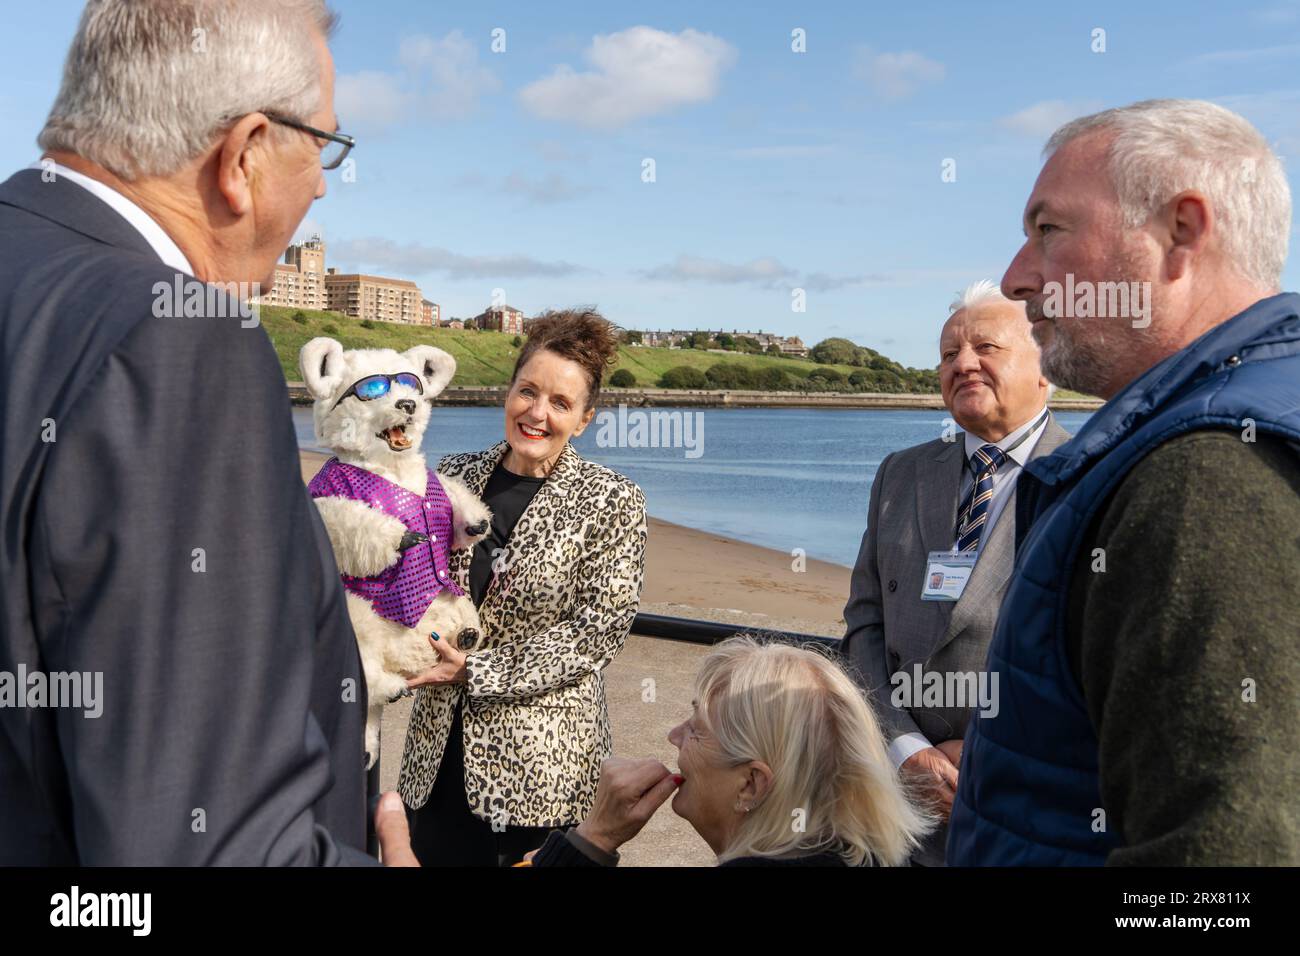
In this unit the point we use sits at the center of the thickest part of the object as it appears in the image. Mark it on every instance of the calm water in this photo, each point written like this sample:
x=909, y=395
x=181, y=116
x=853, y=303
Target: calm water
x=783, y=478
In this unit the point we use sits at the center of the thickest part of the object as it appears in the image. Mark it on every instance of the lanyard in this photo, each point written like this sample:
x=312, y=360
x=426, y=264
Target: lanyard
x=1013, y=446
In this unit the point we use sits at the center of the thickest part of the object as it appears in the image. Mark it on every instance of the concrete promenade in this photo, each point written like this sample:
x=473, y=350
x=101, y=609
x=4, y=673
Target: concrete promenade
x=494, y=395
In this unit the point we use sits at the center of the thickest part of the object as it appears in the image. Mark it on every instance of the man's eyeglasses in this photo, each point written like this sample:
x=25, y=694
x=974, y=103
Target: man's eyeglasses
x=339, y=144
x=377, y=386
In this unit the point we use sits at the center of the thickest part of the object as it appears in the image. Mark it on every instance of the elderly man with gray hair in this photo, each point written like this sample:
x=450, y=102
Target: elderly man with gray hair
x=1150, y=680
x=939, y=545
x=157, y=535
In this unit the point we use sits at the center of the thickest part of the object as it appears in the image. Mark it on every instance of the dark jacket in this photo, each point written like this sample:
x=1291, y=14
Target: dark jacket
x=162, y=540
x=1032, y=788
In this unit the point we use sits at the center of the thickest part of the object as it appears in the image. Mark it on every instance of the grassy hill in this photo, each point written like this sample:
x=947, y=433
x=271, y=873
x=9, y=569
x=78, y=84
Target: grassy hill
x=486, y=358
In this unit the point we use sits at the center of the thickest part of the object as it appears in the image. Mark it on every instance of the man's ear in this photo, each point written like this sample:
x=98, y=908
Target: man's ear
x=241, y=148
x=321, y=363
x=1190, y=221
x=436, y=367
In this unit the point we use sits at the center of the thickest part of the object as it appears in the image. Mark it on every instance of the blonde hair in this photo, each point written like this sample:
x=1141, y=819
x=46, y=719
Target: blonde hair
x=833, y=784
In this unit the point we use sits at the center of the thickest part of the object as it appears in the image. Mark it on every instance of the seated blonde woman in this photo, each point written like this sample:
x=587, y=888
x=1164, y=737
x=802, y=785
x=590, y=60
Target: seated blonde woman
x=780, y=763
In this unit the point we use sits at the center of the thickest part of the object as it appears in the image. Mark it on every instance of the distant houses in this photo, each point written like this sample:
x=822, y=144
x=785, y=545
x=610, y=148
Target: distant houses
x=303, y=281
x=501, y=318
x=431, y=313
x=673, y=339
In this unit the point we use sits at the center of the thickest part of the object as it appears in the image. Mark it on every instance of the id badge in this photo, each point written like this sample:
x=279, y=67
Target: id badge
x=946, y=574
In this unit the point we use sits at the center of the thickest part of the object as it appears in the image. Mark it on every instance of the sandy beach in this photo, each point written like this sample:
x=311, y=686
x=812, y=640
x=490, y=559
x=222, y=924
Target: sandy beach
x=691, y=574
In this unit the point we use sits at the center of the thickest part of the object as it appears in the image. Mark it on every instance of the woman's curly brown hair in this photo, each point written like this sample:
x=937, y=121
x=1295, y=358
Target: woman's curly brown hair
x=581, y=335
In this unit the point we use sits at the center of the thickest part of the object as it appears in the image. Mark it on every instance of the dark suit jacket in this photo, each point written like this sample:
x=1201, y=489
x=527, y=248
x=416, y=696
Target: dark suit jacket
x=913, y=511
x=225, y=736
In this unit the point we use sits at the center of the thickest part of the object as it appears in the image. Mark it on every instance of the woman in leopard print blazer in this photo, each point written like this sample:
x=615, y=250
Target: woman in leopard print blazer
x=505, y=742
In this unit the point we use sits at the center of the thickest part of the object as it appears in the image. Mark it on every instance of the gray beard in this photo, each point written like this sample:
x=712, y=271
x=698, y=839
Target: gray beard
x=1080, y=368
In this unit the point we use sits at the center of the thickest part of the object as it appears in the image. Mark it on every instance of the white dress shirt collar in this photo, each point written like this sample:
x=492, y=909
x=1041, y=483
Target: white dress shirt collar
x=146, y=225
x=1020, y=454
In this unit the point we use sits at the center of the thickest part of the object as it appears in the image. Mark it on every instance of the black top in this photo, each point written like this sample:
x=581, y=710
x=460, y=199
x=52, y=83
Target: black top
x=565, y=848
x=508, y=495
x=811, y=859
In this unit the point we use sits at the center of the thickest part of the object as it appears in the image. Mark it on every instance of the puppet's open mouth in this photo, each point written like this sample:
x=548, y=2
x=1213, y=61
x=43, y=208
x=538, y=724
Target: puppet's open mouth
x=396, y=437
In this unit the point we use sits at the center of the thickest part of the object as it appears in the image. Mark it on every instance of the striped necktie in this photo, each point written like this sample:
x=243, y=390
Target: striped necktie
x=974, y=511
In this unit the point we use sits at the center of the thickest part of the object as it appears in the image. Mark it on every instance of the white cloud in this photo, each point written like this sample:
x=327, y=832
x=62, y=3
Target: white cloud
x=764, y=271
x=554, y=151
x=1282, y=14
x=1274, y=113
x=821, y=282
x=451, y=66
x=896, y=76
x=781, y=152
x=636, y=73
x=307, y=229
x=440, y=79
x=551, y=188
x=416, y=259
x=1269, y=108
x=1042, y=119
x=370, y=100
x=1286, y=51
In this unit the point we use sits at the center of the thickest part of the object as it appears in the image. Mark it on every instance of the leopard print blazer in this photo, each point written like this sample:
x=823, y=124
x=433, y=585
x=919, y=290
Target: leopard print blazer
x=557, y=610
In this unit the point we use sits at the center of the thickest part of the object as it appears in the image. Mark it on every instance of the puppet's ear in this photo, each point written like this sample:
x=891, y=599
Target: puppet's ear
x=436, y=367
x=321, y=364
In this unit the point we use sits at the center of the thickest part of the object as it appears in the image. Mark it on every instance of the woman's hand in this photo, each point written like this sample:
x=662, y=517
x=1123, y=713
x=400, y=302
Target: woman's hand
x=449, y=670
x=629, y=793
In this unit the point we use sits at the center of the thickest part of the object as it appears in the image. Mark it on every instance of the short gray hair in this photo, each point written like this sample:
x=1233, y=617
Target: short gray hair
x=149, y=84
x=977, y=293
x=1163, y=147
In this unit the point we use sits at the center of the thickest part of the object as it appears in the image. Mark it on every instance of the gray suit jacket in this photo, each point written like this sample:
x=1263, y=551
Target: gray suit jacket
x=128, y=442
x=913, y=511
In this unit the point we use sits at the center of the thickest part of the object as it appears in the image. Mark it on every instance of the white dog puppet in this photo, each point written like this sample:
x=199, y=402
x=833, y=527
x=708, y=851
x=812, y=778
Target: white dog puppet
x=391, y=519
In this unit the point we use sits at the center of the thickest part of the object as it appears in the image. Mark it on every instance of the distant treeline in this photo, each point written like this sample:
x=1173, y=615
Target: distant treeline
x=870, y=371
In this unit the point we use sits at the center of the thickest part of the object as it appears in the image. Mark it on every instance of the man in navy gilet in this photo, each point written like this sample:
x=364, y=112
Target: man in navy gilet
x=1146, y=647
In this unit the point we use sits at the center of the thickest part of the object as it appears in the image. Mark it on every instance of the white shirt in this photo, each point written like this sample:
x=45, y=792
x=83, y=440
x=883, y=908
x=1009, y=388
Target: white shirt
x=146, y=225
x=1004, y=481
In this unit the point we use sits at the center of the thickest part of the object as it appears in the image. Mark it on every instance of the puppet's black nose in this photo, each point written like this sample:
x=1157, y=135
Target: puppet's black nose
x=406, y=405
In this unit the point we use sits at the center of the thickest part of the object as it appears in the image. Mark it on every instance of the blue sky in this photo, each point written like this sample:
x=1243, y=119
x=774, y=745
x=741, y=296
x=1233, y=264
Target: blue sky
x=522, y=170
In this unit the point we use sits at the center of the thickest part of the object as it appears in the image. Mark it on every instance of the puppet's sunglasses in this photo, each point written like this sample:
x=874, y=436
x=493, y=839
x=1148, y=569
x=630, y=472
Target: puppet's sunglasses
x=377, y=386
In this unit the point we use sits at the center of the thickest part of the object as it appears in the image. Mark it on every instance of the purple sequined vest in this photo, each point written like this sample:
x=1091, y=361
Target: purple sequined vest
x=404, y=591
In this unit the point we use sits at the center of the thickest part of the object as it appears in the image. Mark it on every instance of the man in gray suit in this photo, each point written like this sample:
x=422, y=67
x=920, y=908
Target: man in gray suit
x=179, y=682
x=922, y=659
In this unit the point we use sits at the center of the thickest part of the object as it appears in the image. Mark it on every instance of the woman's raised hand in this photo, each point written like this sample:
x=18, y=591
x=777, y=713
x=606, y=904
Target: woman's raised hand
x=629, y=793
